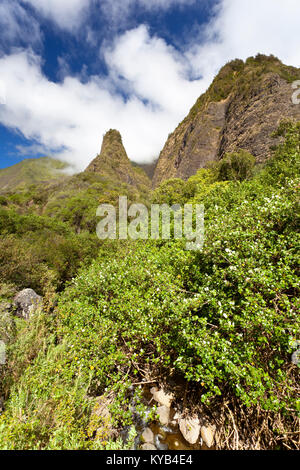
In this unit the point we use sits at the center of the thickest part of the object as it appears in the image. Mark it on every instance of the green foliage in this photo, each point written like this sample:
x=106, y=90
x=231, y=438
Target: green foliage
x=236, y=166
x=173, y=191
x=36, y=251
x=204, y=182
x=285, y=164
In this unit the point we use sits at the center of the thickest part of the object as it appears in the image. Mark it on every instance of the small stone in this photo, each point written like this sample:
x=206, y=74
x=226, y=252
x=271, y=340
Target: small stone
x=148, y=446
x=166, y=430
x=159, y=445
x=296, y=357
x=164, y=414
x=208, y=435
x=162, y=397
x=148, y=436
x=27, y=302
x=7, y=323
x=190, y=428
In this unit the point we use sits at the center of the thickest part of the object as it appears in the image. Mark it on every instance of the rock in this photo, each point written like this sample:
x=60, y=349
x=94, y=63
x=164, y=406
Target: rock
x=100, y=425
x=208, y=435
x=5, y=307
x=7, y=324
x=27, y=302
x=148, y=436
x=2, y=355
x=162, y=397
x=159, y=445
x=167, y=430
x=114, y=162
x=164, y=414
x=175, y=419
x=296, y=357
x=190, y=428
x=148, y=446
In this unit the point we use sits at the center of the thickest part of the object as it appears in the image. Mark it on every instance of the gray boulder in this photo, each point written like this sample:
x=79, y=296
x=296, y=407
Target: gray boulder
x=27, y=302
x=7, y=324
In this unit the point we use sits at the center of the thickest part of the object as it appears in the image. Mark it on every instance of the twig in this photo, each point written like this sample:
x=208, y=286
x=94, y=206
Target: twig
x=235, y=429
x=148, y=382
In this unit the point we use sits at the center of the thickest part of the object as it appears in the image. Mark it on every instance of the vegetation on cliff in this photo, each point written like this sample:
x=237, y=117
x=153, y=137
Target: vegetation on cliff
x=240, y=110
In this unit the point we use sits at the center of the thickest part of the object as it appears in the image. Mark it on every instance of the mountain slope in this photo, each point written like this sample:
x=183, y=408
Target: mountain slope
x=114, y=163
x=240, y=110
x=31, y=171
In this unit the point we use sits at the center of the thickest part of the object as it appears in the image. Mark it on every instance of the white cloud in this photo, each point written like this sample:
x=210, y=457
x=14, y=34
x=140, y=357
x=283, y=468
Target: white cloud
x=153, y=70
x=71, y=117
x=16, y=25
x=120, y=10
x=67, y=14
x=243, y=28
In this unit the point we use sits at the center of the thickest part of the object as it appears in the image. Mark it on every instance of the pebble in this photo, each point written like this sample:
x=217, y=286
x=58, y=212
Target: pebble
x=159, y=445
x=164, y=414
x=162, y=397
x=148, y=436
x=190, y=428
x=148, y=446
x=208, y=435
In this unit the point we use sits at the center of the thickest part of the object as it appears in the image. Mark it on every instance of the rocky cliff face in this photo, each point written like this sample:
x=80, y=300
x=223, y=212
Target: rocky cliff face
x=241, y=109
x=113, y=162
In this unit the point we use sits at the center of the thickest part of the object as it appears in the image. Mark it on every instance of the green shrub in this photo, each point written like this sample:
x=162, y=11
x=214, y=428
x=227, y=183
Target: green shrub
x=236, y=166
x=173, y=191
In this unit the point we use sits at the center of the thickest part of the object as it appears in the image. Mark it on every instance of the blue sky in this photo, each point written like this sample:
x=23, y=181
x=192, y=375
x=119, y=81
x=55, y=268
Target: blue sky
x=72, y=69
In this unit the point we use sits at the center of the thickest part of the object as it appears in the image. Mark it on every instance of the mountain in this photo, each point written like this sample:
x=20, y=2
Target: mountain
x=240, y=110
x=149, y=168
x=31, y=171
x=113, y=162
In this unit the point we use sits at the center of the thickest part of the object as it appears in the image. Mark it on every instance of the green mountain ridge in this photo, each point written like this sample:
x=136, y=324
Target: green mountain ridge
x=31, y=172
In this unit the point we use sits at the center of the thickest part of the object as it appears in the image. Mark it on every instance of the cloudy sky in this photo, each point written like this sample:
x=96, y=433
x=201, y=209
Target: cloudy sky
x=72, y=69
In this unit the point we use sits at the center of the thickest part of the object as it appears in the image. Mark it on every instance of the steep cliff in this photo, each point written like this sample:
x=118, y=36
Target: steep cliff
x=240, y=110
x=113, y=162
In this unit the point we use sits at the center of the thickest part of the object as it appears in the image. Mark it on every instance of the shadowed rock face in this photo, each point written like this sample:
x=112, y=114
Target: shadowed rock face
x=249, y=124
x=241, y=109
x=113, y=162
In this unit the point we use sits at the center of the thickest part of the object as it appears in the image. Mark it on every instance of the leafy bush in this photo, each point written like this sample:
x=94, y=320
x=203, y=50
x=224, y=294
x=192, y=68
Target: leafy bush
x=38, y=250
x=236, y=166
x=173, y=191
